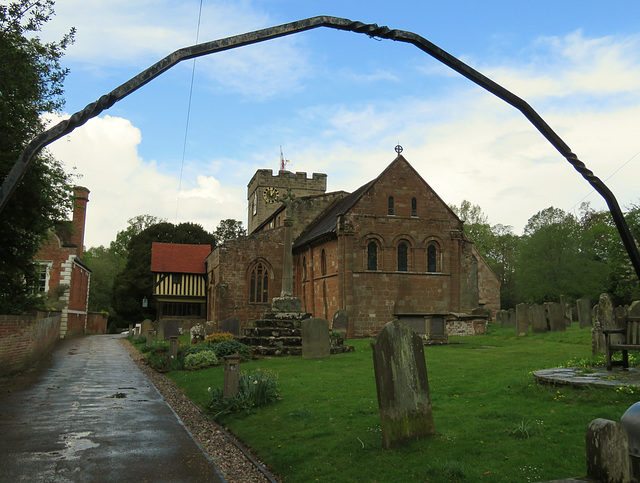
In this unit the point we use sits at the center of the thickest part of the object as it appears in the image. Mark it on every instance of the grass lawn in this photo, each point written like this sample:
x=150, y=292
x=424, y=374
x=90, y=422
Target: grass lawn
x=493, y=422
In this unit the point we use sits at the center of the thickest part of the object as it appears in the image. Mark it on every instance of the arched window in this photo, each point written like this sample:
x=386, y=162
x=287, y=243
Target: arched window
x=432, y=258
x=392, y=209
x=372, y=256
x=403, y=257
x=259, y=284
x=323, y=263
x=414, y=207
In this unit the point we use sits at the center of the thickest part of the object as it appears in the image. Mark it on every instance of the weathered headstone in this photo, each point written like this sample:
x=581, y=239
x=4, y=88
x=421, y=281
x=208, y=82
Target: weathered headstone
x=511, y=320
x=607, y=452
x=340, y=322
x=315, y=339
x=522, y=320
x=150, y=337
x=231, y=325
x=170, y=329
x=605, y=315
x=402, y=384
x=584, y=313
x=502, y=318
x=137, y=330
x=145, y=327
x=538, y=319
x=557, y=321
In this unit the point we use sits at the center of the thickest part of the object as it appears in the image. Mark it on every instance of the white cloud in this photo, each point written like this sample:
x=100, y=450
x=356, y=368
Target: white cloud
x=123, y=185
x=115, y=34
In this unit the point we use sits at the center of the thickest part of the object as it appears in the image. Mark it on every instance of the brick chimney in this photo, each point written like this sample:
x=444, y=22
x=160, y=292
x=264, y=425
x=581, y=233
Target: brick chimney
x=81, y=198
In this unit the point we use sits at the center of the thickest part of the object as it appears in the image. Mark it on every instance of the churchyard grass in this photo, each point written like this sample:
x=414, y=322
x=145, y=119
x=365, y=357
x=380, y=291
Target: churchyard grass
x=493, y=422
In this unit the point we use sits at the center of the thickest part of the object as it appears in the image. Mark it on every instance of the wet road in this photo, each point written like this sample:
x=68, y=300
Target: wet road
x=92, y=415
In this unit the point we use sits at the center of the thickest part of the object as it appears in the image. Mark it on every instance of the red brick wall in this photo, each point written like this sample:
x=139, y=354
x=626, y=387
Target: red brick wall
x=96, y=323
x=24, y=339
x=227, y=271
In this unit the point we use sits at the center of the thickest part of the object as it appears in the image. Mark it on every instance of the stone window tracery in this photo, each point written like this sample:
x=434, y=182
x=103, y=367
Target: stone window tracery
x=259, y=284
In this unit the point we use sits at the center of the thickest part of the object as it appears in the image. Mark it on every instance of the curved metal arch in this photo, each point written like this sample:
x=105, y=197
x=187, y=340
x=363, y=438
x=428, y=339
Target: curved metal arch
x=372, y=30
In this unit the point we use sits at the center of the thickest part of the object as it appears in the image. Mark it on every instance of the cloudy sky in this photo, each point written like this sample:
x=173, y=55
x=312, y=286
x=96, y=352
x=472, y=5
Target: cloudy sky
x=338, y=102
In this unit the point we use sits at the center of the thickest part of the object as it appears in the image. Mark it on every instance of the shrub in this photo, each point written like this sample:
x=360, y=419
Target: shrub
x=141, y=339
x=200, y=359
x=254, y=390
x=231, y=347
x=194, y=349
x=160, y=360
x=216, y=338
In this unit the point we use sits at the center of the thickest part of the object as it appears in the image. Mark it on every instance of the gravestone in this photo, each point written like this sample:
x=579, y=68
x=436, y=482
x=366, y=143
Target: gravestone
x=402, y=384
x=145, y=327
x=231, y=325
x=502, y=317
x=538, y=319
x=584, y=313
x=607, y=449
x=522, y=320
x=511, y=319
x=315, y=339
x=557, y=320
x=340, y=322
x=136, y=330
x=605, y=315
x=170, y=329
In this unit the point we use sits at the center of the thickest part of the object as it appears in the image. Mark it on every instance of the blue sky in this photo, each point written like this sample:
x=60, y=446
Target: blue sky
x=338, y=102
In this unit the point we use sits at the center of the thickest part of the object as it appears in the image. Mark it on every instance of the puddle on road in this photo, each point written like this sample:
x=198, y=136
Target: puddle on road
x=74, y=443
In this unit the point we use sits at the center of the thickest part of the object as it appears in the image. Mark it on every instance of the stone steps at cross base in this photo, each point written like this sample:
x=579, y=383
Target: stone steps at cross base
x=271, y=332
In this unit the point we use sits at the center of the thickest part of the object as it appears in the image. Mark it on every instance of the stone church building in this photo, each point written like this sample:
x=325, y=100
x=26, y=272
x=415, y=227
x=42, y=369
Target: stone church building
x=392, y=248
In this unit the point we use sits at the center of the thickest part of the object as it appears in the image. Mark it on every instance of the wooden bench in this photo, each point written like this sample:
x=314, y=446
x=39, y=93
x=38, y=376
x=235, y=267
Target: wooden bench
x=631, y=342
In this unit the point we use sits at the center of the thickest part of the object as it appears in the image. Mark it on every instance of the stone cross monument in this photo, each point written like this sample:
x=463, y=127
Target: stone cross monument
x=287, y=302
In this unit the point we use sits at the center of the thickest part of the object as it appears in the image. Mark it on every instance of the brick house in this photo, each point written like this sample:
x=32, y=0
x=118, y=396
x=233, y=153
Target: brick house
x=64, y=275
x=392, y=248
x=179, y=276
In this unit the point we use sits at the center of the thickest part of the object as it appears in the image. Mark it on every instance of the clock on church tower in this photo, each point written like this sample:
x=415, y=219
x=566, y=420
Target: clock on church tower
x=270, y=194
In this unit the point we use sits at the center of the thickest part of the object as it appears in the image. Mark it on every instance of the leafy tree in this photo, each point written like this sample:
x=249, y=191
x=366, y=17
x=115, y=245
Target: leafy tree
x=557, y=258
x=135, y=282
x=622, y=282
x=30, y=84
x=136, y=225
x=228, y=230
x=105, y=264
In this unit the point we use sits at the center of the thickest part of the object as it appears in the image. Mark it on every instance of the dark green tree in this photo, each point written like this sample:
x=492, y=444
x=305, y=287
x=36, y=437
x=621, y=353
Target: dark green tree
x=105, y=264
x=622, y=282
x=557, y=258
x=31, y=81
x=134, y=282
x=228, y=230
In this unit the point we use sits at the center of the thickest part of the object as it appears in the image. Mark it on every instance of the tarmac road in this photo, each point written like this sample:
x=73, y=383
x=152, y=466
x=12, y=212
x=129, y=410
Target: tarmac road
x=92, y=415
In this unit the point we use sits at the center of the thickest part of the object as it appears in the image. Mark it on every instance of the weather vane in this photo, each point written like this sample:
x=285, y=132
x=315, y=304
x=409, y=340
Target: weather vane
x=398, y=149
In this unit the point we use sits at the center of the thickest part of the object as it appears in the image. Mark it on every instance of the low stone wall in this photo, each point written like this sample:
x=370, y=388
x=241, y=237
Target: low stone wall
x=466, y=326
x=26, y=338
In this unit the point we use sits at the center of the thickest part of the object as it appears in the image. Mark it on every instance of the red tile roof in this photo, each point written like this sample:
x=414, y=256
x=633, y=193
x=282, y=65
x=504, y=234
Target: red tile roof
x=178, y=258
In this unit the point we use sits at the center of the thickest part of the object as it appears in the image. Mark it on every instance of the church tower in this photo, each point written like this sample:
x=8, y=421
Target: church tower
x=265, y=190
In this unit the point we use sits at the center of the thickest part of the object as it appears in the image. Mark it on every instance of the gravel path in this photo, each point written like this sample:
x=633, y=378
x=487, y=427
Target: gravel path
x=233, y=460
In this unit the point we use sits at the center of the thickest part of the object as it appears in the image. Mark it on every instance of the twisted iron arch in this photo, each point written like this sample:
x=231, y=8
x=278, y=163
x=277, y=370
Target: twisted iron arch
x=372, y=30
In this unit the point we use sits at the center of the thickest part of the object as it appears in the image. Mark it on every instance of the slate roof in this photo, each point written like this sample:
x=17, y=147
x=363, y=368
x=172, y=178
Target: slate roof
x=326, y=223
x=179, y=258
